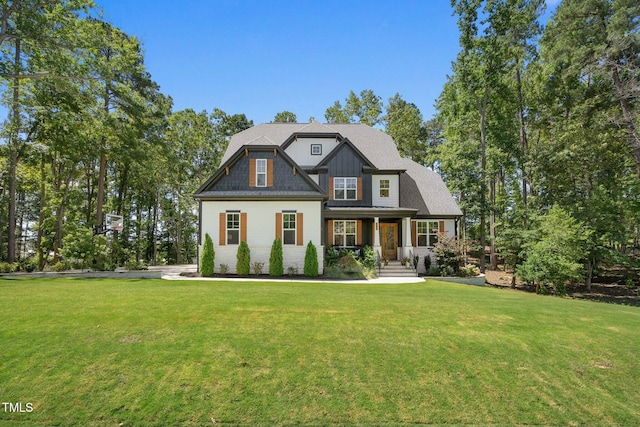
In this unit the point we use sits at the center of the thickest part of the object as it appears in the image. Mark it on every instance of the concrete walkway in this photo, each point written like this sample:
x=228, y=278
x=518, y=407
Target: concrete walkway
x=172, y=272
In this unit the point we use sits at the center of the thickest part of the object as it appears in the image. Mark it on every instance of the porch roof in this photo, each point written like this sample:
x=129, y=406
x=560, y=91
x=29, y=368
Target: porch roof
x=368, y=212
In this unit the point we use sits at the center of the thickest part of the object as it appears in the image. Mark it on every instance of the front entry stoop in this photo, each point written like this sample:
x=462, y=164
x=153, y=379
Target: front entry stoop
x=396, y=269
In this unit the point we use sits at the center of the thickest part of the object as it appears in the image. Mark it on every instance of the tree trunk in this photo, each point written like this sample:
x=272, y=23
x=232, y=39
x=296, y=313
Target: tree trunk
x=13, y=158
x=632, y=132
x=43, y=204
x=523, y=144
x=589, y=277
x=492, y=224
x=483, y=178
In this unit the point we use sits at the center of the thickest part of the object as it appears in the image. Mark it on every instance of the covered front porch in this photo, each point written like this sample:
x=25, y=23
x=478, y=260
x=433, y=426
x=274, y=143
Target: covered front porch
x=386, y=230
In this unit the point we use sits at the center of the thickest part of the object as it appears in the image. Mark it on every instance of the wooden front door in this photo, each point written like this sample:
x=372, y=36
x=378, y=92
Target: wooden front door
x=389, y=240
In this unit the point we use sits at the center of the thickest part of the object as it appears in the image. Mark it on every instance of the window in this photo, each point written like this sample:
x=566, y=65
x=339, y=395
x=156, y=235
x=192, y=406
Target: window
x=384, y=188
x=434, y=229
x=344, y=233
x=316, y=149
x=261, y=172
x=427, y=233
x=345, y=188
x=289, y=228
x=233, y=228
x=421, y=233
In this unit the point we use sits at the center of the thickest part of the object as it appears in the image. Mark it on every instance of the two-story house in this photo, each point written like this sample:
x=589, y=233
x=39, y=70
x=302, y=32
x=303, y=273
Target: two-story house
x=341, y=185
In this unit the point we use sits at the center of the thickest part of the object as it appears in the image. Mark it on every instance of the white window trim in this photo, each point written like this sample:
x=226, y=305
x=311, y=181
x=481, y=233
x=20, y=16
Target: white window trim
x=227, y=229
x=344, y=181
x=428, y=233
x=344, y=234
x=319, y=146
x=295, y=228
x=388, y=188
x=260, y=162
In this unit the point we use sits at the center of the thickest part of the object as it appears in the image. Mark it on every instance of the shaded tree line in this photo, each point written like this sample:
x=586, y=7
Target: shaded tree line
x=89, y=133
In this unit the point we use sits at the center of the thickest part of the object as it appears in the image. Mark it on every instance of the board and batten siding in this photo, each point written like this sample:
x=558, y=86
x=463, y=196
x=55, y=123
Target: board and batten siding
x=261, y=231
x=300, y=150
x=393, y=201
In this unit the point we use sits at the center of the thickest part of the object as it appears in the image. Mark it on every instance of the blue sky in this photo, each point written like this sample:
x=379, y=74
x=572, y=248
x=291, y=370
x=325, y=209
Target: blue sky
x=262, y=57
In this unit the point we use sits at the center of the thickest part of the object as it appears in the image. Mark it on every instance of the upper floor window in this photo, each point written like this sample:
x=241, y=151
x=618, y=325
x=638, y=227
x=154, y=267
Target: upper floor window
x=289, y=228
x=384, y=188
x=261, y=172
x=316, y=149
x=345, y=188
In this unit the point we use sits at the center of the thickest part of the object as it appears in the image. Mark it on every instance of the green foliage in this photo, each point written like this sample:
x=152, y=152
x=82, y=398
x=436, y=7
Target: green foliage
x=311, y=260
x=82, y=246
x=276, y=262
x=207, y=258
x=448, y=252
x=285, y=117
x=369, y=257
x=427, y=262
x=243, y=259
x=6, y=267
x=366, y=109
x=556, y=256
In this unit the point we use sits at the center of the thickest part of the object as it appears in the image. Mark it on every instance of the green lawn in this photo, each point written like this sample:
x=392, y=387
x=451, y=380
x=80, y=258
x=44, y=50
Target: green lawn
x=153, y=352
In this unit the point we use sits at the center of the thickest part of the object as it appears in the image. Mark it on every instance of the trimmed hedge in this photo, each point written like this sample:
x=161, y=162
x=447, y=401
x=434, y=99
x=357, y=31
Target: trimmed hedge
x=311, y=260
x=243, y=264
x=207, y=257
x=276, y=263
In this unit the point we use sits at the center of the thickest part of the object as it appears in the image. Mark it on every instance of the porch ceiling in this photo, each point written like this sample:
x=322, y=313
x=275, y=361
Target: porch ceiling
x=368, y=212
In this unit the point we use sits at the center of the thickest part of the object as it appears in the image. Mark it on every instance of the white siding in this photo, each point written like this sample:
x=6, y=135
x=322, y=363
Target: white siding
x=261, y=231
x=422, y=251
x=300, y=150
x=393, y=200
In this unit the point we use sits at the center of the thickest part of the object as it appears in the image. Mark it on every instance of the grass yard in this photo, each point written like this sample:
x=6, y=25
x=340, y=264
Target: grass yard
x=153, y=352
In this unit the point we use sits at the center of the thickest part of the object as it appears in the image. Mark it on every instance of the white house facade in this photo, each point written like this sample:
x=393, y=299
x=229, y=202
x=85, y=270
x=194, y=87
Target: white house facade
x=336, y=185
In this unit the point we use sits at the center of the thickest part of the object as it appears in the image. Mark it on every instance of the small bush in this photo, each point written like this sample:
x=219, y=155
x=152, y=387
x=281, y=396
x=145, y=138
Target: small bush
x=311, y=261
x=427, y=263
x=469, y=270
x=276, y=263
x=59, y=266
x=292, y=271
x=207, y=259
x=369, y=257
x=243, y=259
x=433, y=271
x=349, y=264
x=5, y=267
x=224, y=269
x=257, y=267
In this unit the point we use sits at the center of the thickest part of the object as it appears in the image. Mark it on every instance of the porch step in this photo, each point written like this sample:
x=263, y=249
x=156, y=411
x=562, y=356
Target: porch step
x=396, y=269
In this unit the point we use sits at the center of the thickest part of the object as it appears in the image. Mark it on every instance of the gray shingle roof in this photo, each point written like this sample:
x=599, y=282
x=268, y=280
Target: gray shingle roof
x=423, y=189
x=376, y=145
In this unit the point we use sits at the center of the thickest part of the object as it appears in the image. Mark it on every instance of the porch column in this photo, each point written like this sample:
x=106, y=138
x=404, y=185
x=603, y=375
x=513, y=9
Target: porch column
x=376, y=236
x=406, y=237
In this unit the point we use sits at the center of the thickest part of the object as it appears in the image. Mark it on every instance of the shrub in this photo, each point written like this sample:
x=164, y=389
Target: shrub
x=276, y=267
x=243, y=259
x=59, y=266
x=292, y=271
x=257, y=267
x=369, y=257
x=224, y=269
x=448, y=253
x=6, y=267
x=311, y=260
x=208, y=257
x=555, y=257
x=349, y=264
x=469, y=270
x=427, y=263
